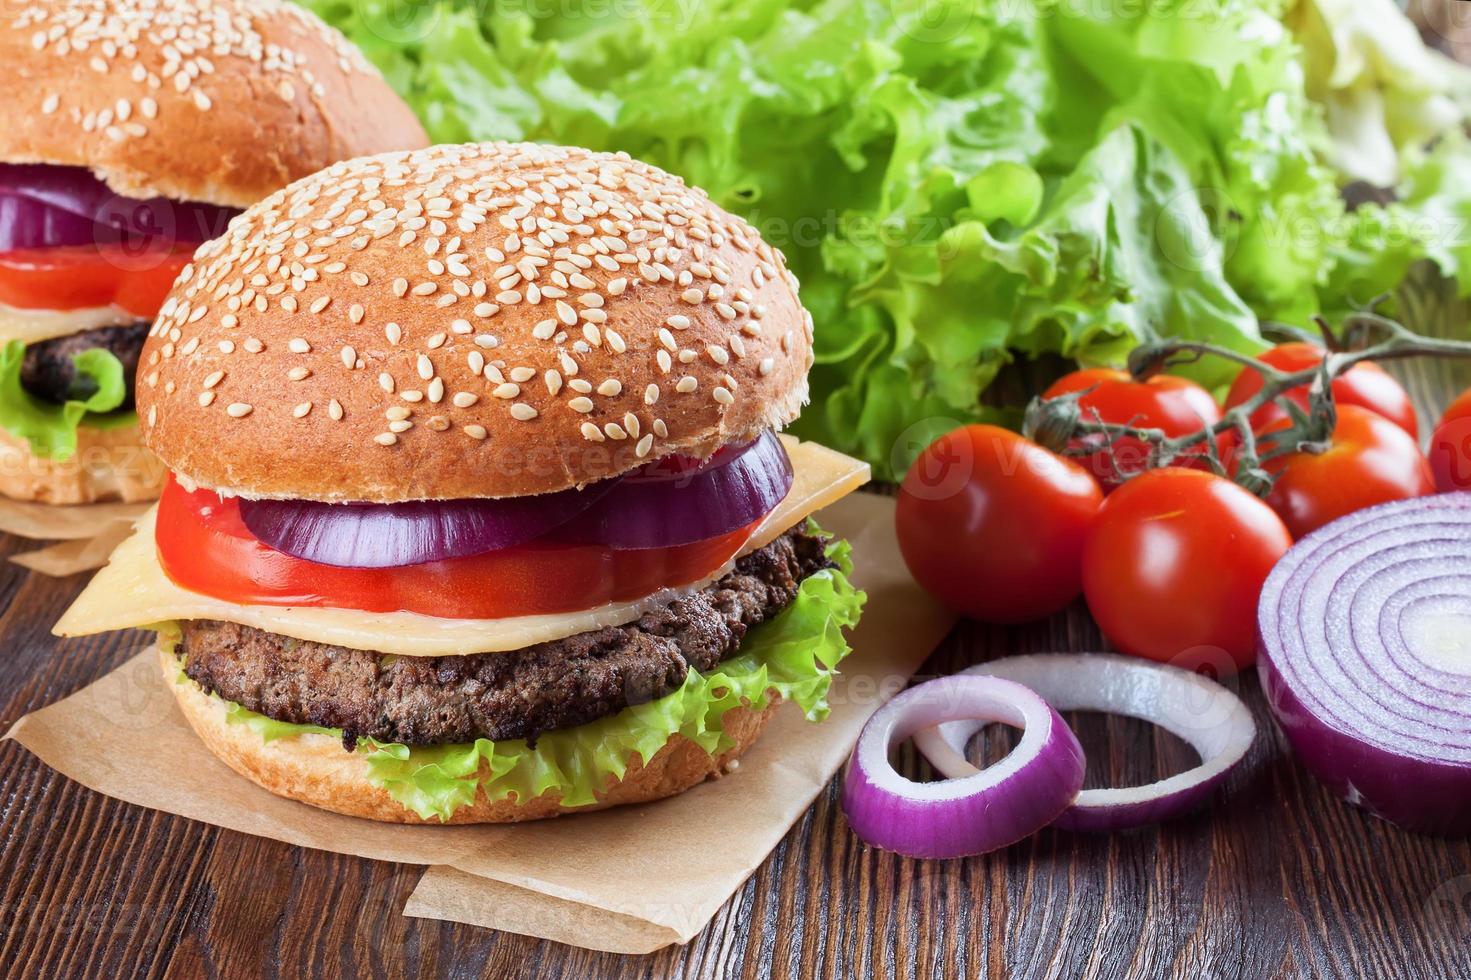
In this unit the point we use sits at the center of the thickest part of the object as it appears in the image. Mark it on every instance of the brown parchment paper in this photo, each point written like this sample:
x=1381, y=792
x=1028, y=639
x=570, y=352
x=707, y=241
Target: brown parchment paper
x=630, y=879
x=89, y=533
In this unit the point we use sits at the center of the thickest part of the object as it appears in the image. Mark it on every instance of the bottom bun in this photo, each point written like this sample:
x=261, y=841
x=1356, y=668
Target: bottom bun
x=315, y=769
x=109, y=465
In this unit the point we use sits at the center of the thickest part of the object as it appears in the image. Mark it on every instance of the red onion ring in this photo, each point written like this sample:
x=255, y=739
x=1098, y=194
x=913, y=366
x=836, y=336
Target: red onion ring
x=664, y=504
x=1365, y=655
x=980, y=812
x=45, y=206
x=398, y=535
x=1206, y=715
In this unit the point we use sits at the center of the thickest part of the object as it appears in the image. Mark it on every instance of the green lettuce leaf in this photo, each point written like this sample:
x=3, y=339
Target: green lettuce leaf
x=793, y=656
x=968, y=187
x=52, y=429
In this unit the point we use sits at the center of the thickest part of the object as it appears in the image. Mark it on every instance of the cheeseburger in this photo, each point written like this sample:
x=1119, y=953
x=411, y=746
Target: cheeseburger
x=134, y=131
x=477, y=509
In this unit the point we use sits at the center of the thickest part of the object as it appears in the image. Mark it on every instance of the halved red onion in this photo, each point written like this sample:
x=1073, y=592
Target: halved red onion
x=398, y=535
x=982, y=811
x=44, y=206
x=674, y=503
x=1365, y=655
x=1200, y=711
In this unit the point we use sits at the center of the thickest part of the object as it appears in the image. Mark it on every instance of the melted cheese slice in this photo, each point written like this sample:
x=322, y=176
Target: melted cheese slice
x=34, y=326
x=133, y=590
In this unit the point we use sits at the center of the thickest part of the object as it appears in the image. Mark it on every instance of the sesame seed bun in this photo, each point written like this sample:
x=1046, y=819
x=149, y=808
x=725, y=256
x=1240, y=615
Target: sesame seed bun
x=221, y=101
x=315, y=769
x=484, y=320
x=109, y=465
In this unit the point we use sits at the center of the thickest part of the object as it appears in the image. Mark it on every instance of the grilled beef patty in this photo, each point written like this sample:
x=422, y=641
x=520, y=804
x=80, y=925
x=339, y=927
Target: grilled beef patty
x=48, y=372
x=517, y=694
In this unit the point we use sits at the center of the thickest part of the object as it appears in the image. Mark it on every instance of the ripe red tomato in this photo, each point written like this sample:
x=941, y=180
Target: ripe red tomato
x=205, y=547
x=1177, y=406
x=1371, y=461
x=992, y=524
x=1174, y=564
x=1450, y=447
x=1365, y=384
x=87, y=276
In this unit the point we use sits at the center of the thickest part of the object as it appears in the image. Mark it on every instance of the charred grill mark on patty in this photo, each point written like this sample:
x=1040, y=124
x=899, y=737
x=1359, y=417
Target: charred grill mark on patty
x=517, y=694
x=48, y=372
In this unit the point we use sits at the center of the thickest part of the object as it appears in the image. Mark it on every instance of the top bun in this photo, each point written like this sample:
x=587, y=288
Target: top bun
x=485, y=320
x=221, y=101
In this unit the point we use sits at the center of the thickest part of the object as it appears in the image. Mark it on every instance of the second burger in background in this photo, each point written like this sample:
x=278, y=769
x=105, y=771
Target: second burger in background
x=490, y=521
x=133, y=132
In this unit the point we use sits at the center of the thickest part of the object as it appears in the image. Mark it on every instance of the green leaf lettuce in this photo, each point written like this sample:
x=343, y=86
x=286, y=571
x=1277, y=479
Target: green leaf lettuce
x=51, y=429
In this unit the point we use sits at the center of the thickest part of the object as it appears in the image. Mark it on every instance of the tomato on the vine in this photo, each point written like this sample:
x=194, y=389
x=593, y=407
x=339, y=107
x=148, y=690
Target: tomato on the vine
x=1366, y=385
x=1450, y=446
x=992, y=524
x=1174, y=405
x=1173, y=566
x=1371, y=461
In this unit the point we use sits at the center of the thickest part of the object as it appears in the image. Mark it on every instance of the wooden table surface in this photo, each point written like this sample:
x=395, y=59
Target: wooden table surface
x=1276, y=878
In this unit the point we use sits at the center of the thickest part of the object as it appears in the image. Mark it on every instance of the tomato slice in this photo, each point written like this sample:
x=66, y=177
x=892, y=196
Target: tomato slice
x=205, y=547
x=81, y=277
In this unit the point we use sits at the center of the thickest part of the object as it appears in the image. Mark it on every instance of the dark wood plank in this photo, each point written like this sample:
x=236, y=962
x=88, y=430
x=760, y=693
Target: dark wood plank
x=1275, y=878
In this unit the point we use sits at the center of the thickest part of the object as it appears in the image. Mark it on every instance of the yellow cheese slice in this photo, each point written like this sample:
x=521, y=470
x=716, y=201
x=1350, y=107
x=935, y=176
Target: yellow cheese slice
x=133, y=590
x=34, y=326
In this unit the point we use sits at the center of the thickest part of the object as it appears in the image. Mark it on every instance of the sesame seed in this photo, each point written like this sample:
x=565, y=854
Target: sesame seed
x=301, y=411
x=660, y=429
x=393, y=332
x=692, y=295
x=411, y=395
x=349, y=358
x=686, y=384
x=717, y=354
x=544, y=330
x=631, y=423
x=401, y=425
x=644, y=445
x=615, y=431
x=299, y=345
x=678, y=321
x=766, y=366
x=206, y=399
x=238, y=410
x=615, y=340
x=461, y=327
x=299, y=373
x=435, y=342
x=581, y=404
x=553, y=381
x=334, y=409
x=253, y=346
x=723, y=397
x=214, y=379
x=506, y=390
x=227, y=347
x=425, y=367
x=355, y=313
x=436, y=391
x=523, y=413
x=651, y=394
x=475, y=431
x=319, y=304
x=580, y=385
x=385, y=439
x=592, y=433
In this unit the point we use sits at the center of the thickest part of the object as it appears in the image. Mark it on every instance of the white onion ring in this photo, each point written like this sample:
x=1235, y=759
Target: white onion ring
x=1365, y=656
x=981, y=812
x=1203, y=713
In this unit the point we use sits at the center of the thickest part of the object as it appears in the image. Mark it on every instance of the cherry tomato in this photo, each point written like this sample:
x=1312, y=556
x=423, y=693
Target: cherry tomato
x=205, y=547
x=992, y=524
x=1176, y=406
x=1450, y=447
x=1371, y=461
x=1365, y=384
x=1174, y=564
x=86, y=276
